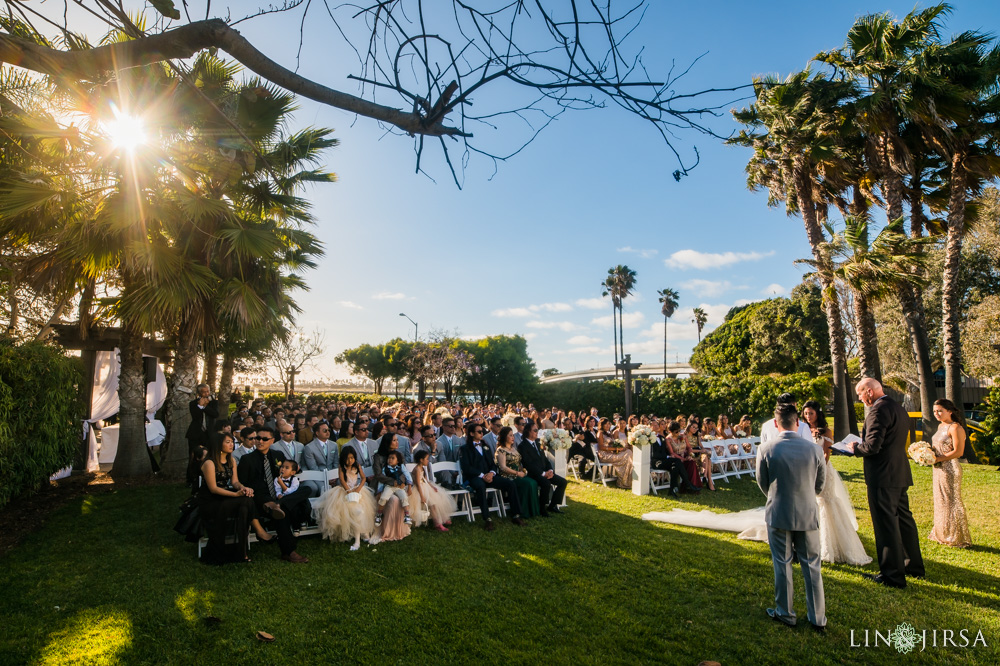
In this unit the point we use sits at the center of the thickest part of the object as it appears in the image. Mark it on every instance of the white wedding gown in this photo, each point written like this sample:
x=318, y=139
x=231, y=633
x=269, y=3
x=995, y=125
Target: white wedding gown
x=838, y=528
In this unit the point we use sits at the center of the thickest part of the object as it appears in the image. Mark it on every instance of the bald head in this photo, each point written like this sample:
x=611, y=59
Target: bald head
x=869, y=390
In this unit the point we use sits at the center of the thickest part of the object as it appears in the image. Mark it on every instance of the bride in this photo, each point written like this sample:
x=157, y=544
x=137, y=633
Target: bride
x=838, y=528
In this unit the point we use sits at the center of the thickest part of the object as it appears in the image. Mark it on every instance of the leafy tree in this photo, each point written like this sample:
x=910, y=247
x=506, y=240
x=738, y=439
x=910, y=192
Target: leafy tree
x=777, y=335
x=500, y=367
x=367, y=361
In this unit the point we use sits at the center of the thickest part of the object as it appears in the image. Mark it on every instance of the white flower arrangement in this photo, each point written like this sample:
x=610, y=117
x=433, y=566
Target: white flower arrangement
x=641, y=435
x=507, y=420
x=556, y=439
x=922, y=454
x=709, y=438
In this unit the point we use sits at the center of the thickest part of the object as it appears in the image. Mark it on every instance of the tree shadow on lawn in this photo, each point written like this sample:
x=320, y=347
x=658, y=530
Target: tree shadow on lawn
x=593, y=586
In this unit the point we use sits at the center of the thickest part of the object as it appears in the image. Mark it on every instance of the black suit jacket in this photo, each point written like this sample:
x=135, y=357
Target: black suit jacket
x=659, y=450
x=210, y=413
x=535, y=463
x=251, y=471
x=883, y=445
x=472, y=463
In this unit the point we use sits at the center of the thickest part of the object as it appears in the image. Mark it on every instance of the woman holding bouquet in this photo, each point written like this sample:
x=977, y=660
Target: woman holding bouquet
x=951, y=524
x=612, y=449
x=508, y=460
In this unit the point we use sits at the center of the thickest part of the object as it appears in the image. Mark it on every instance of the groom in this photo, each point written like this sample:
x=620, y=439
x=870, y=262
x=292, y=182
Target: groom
x=792, y=472
x=887, y=475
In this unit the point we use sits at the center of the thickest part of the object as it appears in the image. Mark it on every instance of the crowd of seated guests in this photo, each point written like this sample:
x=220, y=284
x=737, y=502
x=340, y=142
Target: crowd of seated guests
x=384, y=456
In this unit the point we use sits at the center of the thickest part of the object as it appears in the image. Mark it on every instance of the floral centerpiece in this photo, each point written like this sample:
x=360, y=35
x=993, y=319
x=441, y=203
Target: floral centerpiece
x=507, y=420
x=641, y=435
x=922, y=454
x=556, y=439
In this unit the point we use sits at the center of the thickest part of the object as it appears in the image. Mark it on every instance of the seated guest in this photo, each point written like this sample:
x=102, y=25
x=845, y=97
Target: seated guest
x=348, y=510
x=610, y=450
x=287, y=483
x=480, y=472
x=692, y=437
x=248, y=438
x=744, y=428
x=518, y=429
x=306, y=434
x=405, y=449
x=257, y=471
x=345, y=433
x=725, y=430
x=537, y=464
x=708, y=429
x=223, y=497
x=434, y=503
x=583, y=445
x=490, y=438
x=448, y=447
x=287, y=444
x=392, y=478
x=508, y=461
x=661, y=456
x=319, y=455
x=360, y=443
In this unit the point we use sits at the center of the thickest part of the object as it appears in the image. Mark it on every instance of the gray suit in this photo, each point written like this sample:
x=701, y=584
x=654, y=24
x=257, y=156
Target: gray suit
x=297, y=450
x=405, y=448
x=490, y=440
x=313, y=458
x=362, y=450
x=791, y=471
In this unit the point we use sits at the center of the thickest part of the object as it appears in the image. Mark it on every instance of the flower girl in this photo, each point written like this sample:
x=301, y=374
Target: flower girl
x=432, y=501
x=348, y=509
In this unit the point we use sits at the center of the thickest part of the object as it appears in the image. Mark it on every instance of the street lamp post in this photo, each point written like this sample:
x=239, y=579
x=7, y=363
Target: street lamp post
x=416, y=328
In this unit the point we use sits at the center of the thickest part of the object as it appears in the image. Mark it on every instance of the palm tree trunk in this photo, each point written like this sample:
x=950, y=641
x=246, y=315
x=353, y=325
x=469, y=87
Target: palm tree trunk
x=864, y=321
x=13, y=304
x=843, y=415
x=182, y=391
x=211, y=369
x=664, y=346
x=621, y=330
x=614, y=332
x=132, y=459
x=950, y=292
x=226, y=383
x=86, y=304
x=56, y=316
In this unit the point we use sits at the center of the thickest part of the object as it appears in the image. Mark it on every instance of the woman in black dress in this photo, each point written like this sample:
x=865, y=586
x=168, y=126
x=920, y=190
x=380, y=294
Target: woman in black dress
x=222, y=497
x=583, y=445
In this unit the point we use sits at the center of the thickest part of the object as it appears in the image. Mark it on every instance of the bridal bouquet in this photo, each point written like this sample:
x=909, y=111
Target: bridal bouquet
x=641, y=435
x=922, y=454
x=709, y=438
x=556, y=439
x=507, y=420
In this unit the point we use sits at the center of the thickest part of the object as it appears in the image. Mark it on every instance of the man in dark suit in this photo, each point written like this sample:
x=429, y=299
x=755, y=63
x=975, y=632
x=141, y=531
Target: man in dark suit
x=538, y=467
x=887, y=475
x=258, y=470
x=480, y=472
x=204, y=411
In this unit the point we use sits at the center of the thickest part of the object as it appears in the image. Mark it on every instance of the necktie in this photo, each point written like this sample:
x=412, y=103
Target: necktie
x=269, y=477
x=323, y=445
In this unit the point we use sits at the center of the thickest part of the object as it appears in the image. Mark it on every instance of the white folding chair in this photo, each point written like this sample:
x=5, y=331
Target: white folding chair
x=324, y=477
x=750, y=456
x=462, y=496
x=718, y=461
x=659, y=479
x=605, y=478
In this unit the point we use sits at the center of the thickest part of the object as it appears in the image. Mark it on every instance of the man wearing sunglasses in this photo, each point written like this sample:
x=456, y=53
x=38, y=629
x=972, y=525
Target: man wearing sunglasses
x=480, y=472
x=360, y=442
x=538, y=467
x=247, y=443
x=321, y=454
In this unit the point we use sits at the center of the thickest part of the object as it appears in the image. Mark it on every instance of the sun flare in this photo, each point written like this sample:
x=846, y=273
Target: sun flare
x=126, y=132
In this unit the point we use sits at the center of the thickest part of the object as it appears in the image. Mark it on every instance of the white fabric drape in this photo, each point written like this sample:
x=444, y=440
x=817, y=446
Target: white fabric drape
x=156, y=393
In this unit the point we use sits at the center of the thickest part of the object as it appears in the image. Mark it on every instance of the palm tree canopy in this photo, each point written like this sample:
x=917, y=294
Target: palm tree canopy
x=668, y=301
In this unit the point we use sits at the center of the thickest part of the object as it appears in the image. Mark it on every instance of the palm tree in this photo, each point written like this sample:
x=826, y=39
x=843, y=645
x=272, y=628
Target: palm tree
x=700, y=319
x=608, y=289
x=668, y=304
x=801, y=118
x=888, y=59
x=622, y=283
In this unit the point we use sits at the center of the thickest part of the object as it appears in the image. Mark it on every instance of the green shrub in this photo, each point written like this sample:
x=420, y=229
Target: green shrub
x=41, y=415
x=345, y=397
x=989, y=441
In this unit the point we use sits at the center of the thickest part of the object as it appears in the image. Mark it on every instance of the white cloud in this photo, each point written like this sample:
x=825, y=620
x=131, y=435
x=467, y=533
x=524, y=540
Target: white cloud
x=530, y=336
x=708, y=288
x=578, y=340
x=566, y=326
x=644, y=253
x=389, y=296
x=551, y=307
x=629, y=320
x=774, y=290
x=512, y=312
x=593, y=303
x=350, y=304
x=704, y=260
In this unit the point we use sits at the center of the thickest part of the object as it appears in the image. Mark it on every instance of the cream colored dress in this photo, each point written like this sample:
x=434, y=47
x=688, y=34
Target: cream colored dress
x=951, y=524
x=340, y=518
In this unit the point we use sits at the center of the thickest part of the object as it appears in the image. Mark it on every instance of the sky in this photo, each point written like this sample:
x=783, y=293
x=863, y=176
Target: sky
x=524, y=250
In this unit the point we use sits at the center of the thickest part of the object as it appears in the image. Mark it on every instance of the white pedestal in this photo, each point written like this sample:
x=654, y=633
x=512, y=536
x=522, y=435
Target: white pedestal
x=560, y=464
x=109, y=444
x=640, y=470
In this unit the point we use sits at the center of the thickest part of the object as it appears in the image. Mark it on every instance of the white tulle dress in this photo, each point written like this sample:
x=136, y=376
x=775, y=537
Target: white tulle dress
x=340, y=515
x=838, y=527
x=439, y=505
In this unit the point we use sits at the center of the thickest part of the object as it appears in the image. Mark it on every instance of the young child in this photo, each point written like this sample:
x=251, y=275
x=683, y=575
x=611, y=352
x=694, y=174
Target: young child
x=394, y=480
x=287, y=483
x=436, y=504
x=348, y=509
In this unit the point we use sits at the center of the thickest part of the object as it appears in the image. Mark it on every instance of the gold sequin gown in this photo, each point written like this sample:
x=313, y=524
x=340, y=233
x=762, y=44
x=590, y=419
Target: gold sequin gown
x=951, y=524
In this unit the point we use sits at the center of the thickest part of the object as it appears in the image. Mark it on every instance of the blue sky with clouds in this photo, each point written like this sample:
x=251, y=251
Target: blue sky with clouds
x=524, y=250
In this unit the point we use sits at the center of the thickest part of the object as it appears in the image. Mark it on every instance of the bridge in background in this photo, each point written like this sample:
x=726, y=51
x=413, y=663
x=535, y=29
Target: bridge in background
x=600, y=374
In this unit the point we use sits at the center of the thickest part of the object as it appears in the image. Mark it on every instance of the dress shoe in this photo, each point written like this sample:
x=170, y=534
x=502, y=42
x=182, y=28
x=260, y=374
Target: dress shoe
x=517, y=520
x=276, y=512
x=882, y=580
x=555, y=509
x=675, y=491
x=488, y=525
x=773, y=614
x=818, y=629
x=295, y=558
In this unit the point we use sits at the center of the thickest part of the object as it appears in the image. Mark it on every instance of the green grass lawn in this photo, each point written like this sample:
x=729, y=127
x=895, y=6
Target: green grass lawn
x=106, y=580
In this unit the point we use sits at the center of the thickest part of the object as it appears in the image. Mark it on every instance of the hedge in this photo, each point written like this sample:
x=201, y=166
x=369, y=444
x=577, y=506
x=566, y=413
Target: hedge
x=706, y=396
x=41, y=415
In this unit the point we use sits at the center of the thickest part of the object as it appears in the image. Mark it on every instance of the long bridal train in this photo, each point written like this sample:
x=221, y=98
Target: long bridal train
x=838, y=528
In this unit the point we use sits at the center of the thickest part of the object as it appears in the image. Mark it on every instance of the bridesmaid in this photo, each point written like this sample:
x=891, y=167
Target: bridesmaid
x=611, y=449
x=951, y=525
